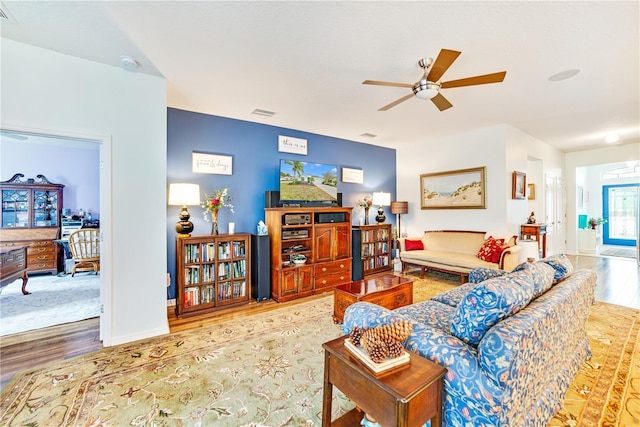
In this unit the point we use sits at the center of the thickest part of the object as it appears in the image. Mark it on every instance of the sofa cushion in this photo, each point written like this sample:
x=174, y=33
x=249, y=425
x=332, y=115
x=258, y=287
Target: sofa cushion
x=541, y=273
x=413, y=245
x=454, y=296
x=489, y=248
x=562, y=266
x=489, y=302
x=480, y=274
x=432, y=313
x=445, y=258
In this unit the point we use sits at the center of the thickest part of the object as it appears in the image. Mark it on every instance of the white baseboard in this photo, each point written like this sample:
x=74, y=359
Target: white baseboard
x=171, y=302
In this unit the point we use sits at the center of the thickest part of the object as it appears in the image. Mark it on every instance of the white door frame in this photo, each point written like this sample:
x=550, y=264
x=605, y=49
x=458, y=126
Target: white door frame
x=106, y=257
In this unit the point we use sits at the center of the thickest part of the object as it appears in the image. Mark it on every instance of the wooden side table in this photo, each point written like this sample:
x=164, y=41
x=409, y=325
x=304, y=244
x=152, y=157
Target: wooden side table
x=538, y=232
x=408, y=395
x=388, y=291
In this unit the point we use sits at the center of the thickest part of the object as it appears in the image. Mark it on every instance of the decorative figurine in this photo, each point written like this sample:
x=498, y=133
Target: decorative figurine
x=532, y=218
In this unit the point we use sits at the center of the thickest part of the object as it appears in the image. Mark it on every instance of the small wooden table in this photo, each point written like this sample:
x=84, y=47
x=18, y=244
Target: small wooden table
x=389, y=291
x=408, y=395
x=539, y=233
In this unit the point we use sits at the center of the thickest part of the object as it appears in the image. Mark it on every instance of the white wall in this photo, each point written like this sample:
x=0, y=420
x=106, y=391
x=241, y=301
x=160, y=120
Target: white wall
x=502, y=149
x=576, y=177
x=46, y=90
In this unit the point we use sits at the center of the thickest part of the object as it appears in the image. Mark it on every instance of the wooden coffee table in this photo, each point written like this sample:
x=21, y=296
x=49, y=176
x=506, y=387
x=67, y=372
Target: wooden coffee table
x=389, y=291
x=408, y=395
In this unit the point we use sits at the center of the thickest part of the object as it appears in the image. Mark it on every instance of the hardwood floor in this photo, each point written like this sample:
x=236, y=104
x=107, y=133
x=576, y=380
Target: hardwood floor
x=618, y=283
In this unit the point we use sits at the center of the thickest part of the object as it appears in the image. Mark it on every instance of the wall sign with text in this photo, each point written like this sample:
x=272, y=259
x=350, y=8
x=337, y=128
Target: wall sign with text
x=211, y=163
x=289, y=144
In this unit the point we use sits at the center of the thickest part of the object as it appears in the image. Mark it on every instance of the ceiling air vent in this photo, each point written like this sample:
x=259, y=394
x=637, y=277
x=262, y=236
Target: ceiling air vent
x=263, y=112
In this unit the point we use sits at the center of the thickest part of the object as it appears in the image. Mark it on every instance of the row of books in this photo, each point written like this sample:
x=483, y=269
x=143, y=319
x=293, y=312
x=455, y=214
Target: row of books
x=224, y=250
x=370, y=249
x=375, y=262
x=226, y=269
x=371, y=235
x=197, y=295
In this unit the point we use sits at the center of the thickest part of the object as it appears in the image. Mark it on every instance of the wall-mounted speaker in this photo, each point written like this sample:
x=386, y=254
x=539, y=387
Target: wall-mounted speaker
x=272, y=199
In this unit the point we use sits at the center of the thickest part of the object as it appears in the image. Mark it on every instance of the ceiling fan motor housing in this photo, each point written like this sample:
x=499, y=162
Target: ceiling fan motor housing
x=425, y=89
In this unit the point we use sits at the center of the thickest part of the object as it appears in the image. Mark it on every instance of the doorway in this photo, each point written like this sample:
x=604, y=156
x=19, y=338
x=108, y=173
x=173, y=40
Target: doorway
x=620, y=206
x=62, y=167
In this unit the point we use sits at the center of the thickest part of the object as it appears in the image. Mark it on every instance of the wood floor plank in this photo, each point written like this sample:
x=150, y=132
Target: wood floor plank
x=618, y=283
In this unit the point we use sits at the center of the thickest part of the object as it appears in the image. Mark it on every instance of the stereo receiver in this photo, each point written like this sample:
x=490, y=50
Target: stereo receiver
x=295, y=234
x=296, y=219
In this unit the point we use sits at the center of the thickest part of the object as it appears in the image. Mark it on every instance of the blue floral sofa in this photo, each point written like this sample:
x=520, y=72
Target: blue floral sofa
x=512, y=341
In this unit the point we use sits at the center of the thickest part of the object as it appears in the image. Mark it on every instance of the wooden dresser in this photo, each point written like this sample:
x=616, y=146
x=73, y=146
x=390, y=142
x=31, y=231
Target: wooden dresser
x=13, y=265
x=31, y=217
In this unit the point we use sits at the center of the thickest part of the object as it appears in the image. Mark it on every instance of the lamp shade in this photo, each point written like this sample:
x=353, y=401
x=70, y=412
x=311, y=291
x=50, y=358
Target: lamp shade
x=399, y=207
x=381, y=199
x=182, y=194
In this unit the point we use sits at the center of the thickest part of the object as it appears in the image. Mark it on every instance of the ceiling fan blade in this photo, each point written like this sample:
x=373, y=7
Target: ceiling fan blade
x=476, y=80
x=396, y=102
x=442, y=63
x=441, y=102
x=379, y=83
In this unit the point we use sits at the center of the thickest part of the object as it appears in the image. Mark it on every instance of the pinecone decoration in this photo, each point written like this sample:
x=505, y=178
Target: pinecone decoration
x=377, y=351
x=394, y=348
x=355, y=335
x=397, y=331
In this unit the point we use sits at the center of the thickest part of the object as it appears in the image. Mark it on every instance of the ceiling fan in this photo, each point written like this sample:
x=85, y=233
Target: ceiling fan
x=428, y=87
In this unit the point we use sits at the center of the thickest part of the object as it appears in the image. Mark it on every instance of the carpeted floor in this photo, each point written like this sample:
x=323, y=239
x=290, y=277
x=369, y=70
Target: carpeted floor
x=53, y=301
x=267, y=370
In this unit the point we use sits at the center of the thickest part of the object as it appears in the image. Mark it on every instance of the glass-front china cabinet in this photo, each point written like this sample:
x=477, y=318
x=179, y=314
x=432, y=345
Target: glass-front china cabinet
x=31, y=214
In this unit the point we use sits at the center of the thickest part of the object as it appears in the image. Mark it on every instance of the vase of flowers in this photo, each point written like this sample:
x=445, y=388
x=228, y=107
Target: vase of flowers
x=213, y=203
x=594, y=222
x=365, y=203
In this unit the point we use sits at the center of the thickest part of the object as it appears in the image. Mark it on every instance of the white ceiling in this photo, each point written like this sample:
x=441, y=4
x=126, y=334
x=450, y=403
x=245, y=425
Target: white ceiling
x=306, y=61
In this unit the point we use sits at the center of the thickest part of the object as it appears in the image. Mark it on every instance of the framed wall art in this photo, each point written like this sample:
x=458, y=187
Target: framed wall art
x=354, y=176
x=457, y=189
x=519, y=186
x=211, y=163
x=531, y=191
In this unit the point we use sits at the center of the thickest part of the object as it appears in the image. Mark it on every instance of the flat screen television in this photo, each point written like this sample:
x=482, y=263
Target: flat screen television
x=305, y=182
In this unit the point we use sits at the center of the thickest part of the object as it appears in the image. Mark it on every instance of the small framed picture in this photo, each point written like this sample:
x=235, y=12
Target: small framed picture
x=531, y=191
x=519, y=185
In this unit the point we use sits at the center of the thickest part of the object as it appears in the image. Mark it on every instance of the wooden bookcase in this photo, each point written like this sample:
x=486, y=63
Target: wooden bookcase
x=31, y=216
x=212, y=272
x=323, y=235
x=375, y=250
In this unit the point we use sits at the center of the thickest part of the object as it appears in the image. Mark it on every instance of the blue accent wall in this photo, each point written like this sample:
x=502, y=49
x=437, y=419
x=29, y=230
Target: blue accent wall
x=256, y=169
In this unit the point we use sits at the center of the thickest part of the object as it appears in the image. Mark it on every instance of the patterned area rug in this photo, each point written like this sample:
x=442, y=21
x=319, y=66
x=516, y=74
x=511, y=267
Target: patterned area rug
x=53, y=301
x=267, y=370
x=621, y=252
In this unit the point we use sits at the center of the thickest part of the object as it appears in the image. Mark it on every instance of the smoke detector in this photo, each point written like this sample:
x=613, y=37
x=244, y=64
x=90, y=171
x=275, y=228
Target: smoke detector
x=128, y=63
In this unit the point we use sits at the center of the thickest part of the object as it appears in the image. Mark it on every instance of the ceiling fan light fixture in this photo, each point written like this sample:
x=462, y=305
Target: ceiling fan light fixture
x=425, y=89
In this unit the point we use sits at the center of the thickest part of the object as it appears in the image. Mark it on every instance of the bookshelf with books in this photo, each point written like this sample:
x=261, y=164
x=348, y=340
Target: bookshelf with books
x=212, y=272
x=372, y=248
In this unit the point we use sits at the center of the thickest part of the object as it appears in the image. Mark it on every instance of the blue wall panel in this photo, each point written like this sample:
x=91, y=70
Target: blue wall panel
x=256, y=168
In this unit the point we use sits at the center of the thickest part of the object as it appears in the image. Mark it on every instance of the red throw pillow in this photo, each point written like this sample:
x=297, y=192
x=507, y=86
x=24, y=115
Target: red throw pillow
x=413, y=245
x=488, y=248
x=495, y=257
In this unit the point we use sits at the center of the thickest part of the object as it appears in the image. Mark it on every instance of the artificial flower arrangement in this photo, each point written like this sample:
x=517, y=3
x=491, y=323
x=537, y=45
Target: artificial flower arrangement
x=593, y=222
x=216, y=201
x=365, y=202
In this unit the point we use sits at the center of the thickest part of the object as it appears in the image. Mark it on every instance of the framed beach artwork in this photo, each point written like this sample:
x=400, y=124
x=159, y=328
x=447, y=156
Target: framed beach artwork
x=457, y=189
x=519, y=185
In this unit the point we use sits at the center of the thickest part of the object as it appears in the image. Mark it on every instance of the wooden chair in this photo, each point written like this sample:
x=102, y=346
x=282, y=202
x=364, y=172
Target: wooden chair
x=84, y=245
